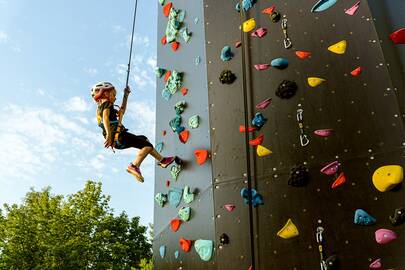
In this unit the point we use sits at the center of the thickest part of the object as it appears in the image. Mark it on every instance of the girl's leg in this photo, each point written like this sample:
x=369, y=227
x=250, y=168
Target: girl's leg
x=156, y=155
x=142, y=155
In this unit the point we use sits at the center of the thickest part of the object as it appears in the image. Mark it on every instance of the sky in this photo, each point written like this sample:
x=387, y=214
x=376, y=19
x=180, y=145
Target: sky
x=51, y=53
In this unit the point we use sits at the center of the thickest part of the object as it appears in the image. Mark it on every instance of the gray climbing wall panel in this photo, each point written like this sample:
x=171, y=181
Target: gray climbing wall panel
x=365, y=112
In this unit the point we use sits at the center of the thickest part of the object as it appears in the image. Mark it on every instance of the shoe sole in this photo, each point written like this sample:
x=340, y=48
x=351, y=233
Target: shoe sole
x=138, y=177
x=166, y=165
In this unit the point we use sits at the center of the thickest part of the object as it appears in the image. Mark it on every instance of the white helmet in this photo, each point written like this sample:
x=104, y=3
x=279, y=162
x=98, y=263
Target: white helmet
x=98, y=89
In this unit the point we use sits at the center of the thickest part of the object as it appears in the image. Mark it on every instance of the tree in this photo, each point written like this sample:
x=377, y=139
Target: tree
x=79, y=231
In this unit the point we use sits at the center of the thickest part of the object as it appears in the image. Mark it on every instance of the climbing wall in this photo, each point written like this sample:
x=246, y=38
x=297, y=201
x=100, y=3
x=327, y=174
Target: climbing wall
x=327, y=112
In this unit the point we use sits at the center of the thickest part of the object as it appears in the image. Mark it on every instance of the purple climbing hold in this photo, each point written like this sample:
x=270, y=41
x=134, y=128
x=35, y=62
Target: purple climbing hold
x=377, y=264
x=259, y=32
x=262, y=66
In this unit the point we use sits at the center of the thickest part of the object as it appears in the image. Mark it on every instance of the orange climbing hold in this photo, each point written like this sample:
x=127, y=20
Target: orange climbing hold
x=163, y=40
x=356, y=72
x=175, y=224
x=257, y=141
x=340, y=180
x=242, y=129
x=303, y=54
x=167, y=8
x=184, y=135
x=269, y=10
x=185, y=244
x=167, y=75
x=184, y=91
x=164, y=132
x=201, y=156
x=175, y=46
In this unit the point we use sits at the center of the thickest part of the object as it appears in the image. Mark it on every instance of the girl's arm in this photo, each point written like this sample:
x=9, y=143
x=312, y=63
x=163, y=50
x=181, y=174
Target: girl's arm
x=123, y=107
x=106, y=122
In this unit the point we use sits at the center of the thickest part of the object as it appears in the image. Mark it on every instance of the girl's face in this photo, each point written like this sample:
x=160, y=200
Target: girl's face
x=112, y=95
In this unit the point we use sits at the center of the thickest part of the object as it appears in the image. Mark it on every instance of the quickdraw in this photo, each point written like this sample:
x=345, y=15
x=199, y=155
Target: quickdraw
x=319, y=240
x=303, y=138
x=286, y=41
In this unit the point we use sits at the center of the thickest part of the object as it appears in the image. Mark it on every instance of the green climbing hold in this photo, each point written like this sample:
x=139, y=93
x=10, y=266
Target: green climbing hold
x=185, y=213
x=174, y=196
x=185, y=34
x=188, y=196
x=173, y=26
x=161, y=199
x=181, y=15
x=180, y=106
x=160, y=72
x=159, y=147
x=194, y=121
x=162, y=2
x=174, y=82
x=204, y=248
x=175, y=171
x=175, y=123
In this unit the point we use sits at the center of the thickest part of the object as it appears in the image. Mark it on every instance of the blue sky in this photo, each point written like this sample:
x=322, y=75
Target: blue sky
x=51, y=52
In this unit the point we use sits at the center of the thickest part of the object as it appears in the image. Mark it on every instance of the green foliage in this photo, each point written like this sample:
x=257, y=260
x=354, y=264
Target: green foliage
x=76, y=232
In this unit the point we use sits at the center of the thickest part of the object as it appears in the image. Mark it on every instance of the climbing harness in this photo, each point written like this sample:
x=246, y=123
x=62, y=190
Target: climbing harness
x=286, y=41
x=303, y=138
x=319, y=240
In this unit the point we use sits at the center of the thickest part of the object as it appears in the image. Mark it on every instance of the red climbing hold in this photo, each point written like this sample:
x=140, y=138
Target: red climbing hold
x=184, y=91
x=167, y=8
x=303, y=54
x=340, y=180
x=164, y=132
x=242, y=129
x=163, y=40
x=238, y=44
x=229, y=207
x=398, y=37
x=257, y=141
x=185, y=244
x=184, y=135
x=250, y=268
x=201, y=156
x=175, y=46
x=356, y=72
x=167, y=75
x=167, y=183
x=175, y=224
x=268, y=10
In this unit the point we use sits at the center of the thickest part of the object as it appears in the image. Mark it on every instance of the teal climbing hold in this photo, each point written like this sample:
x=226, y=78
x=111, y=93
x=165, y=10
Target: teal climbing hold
x=175, y=123
x=188, y=196
x=181, y=14
x=185, y=213
x=174, y=196
x=174, y=82
x=166, y=94
x=180, y=106
x=173, y=26
x=197, y=60
x=185, y=34
x=176, y=254
x=322, y=5
x=159, y=147
x=246, y=5
x=161, y=199
x=160, y=72
x=194, y=121
x=280, y=63
x=175, y=171
x=204, y=248
x=162, y=251
x=361, y=217
x=162, y=2
x=226, y=53
x=258, y=121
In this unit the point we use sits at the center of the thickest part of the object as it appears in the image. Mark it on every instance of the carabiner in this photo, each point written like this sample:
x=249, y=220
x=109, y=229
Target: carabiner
x=299, y=115
x=284, y=24
x=287, y=43
x=304, y=140
x=319, y=232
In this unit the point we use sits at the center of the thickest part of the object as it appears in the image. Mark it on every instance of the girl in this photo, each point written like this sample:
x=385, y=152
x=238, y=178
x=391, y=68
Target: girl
x=116, y=136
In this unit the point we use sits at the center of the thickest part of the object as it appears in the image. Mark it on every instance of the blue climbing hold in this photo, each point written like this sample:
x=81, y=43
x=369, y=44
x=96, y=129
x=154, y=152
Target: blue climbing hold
x=280, y=63
x=361, y=217
x=246, y=5
x=162, y=251
x=174, y=196
x=257, y=199
x=322, y=5
x=176, y=254
x=226, y=53
x=159, y=147
x=259, y=120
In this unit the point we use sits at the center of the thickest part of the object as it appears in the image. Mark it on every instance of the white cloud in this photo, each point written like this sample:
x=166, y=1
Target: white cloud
x=41, y=92
x=118, y=29
x=3, y=37
x=143, y=115
x=76, y=104
x=152, y=62
x=91, y=71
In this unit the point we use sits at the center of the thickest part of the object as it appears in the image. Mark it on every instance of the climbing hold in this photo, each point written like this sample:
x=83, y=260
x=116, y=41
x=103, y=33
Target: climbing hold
x=361, y=217
x=160, y=72
x=180, y=106
x=257, y=141
x=398, y=37
x=332, y=262
x=164, y=132
x=399, y=217
x=302, y=54
x=184, y=91
x=185, y=34
x=242, y=129
x=197, y=60
x=377, y=264
x=226, y=53
x=175, y=224
x=201, y=156
x=257, y=199
x=174, y=196
x=184, y=213
x=299, y=176
x=353, y=9
x=162, y=251
x=175, y=123
x=338, y=48
x=268, y=10
x=385, y=236
x=167, y=8
x=263, y=104
x=167, y=75
x=185, y=244
x=280, y=63
x=174, y=82
x=229, y=207
x=161, y=199
x=173, y=26
x=163, y=40
x=286, y=89
x=259, y=32
x=275, y=16
x=262, y=151
x=162, y=2
x=331, y=168
x=184, y=135
x=175, y=171
x=188, y=196
x=356, y=72
x=262, y=66
x=159, y=147
x=322, y=5
x=258, y=121
x=176, y=254
x=386, y=178
x=167, y=183
x=224, y=239
x=340, y=180
x=249, y=25
x=204, y=248
x=175, y=45
x=194, y=121
x=323, y=132
x=227, y=77
x=181, y=15
x=289, y=230
x=238, y=44
x=315, y=81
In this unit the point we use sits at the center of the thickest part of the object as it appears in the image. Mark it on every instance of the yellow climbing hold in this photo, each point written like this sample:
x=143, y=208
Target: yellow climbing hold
x=338, y=48
x=387, y=177
x=315, y=81
x=262, y=151
x=289, y=230
x=249, y=25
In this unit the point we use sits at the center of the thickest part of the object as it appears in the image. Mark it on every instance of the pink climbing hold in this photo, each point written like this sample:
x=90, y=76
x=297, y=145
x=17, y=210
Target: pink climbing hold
x=229, y=207
x=331, y=168
x=260, y=32
x=384, y=236
x=238, y=44
x=323, y=132
x=262, y=66
x=263, y=104
x=353, y=9
x=376, y=264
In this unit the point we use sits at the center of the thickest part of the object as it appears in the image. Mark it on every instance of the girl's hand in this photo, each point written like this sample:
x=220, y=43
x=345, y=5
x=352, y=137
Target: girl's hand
x=127, y=90
x=108, y=141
